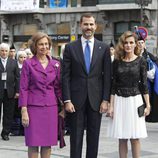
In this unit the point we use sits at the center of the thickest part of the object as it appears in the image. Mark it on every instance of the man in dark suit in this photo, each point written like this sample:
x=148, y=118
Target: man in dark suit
x=86, y=87
x=9, y=88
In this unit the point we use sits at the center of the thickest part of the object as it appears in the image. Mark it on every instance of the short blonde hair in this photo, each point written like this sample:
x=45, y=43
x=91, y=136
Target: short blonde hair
x=35, y=38
x=20, y=52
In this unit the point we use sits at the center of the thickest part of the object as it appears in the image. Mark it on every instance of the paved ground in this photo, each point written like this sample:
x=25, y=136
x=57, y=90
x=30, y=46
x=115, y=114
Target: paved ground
x=108, y=148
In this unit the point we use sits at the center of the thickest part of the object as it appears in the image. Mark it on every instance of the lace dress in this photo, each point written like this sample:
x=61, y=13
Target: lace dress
x=127, y=77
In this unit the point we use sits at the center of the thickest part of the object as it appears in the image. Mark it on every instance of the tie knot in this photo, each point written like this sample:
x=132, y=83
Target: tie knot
x=87, y=42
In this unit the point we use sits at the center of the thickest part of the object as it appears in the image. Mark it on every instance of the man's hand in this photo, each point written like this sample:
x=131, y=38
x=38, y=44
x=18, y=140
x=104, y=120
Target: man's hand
x=69, y=107
x=104, y=107
x=16, y=95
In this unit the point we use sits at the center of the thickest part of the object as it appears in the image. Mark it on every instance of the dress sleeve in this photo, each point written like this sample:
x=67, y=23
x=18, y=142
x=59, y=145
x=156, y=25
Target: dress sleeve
x=143, y=76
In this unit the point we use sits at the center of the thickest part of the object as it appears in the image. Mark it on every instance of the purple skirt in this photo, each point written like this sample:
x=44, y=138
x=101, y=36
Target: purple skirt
x=42, y=129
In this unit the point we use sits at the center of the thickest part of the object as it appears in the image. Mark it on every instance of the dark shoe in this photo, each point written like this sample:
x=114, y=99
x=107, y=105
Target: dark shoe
x=13, y=134
x=5, y=137
x=67, y=133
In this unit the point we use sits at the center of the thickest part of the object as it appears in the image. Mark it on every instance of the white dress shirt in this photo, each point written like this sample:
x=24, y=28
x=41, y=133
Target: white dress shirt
x=4, y=62
x=91, y=44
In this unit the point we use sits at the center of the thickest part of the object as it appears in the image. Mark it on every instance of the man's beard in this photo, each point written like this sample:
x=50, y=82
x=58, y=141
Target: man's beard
x=88, y=34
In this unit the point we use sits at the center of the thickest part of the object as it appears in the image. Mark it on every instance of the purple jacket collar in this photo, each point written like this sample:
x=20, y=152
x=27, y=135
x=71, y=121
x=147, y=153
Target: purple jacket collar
x=36, y=64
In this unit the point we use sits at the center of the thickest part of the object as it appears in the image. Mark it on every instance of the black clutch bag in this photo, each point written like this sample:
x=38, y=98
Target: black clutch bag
x=141, y=110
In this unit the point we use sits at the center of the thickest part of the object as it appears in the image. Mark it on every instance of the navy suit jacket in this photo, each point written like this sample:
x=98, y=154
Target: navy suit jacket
x=77, y=84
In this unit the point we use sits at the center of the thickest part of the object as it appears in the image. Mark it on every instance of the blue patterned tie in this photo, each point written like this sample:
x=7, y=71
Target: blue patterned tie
x=87, y=56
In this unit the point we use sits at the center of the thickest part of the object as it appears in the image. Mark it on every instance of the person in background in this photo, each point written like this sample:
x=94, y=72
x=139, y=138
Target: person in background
x=29, y=53
x=17, y=128
x=152, y=68
x=86, y=87
x=129, y=69
x=21, y=57
x=9, y=88
x=112, y=51
x=12, y=52
x=40, y=90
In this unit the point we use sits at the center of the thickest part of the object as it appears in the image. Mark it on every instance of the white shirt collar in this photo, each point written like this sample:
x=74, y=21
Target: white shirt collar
x=4, y=60
x=91, y=44
x=19, y=65
x=84, y=39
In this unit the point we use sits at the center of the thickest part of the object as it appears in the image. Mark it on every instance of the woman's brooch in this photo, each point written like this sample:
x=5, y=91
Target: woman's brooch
x=56, y=65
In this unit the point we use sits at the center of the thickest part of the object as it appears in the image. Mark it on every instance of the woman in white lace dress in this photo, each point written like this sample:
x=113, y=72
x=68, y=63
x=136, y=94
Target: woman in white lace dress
x=129, y=71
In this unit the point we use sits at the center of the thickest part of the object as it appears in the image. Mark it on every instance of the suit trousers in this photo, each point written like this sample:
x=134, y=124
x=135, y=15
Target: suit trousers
x=8, y=113
x=77, y=126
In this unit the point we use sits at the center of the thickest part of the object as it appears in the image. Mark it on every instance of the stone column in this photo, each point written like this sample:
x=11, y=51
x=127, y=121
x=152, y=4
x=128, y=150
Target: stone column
x=40, y=21
x=4, y=29
x=73, y=27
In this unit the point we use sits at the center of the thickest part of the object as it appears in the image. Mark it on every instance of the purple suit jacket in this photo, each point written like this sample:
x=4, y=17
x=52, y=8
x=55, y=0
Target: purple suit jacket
x=39, y=86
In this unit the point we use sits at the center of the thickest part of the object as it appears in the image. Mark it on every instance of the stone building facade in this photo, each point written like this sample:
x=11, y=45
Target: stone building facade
x=62, y=24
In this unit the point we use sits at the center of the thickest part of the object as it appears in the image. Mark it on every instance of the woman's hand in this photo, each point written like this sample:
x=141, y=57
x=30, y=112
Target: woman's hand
x=148, y=106
x=147, y=111
x=62, y=113
x=25, y=117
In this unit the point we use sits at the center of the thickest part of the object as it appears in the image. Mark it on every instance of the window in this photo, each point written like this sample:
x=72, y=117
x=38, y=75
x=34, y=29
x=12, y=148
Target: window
x=73, y=3
x=121, y=27
x=89, y=2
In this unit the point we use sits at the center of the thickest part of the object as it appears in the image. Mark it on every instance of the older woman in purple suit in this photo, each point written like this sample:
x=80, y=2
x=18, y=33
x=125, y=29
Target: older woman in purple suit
x=39, y=93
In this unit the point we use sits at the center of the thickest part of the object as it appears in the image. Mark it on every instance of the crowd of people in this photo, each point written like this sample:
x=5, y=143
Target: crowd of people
x=92, y=78
x=10, y=63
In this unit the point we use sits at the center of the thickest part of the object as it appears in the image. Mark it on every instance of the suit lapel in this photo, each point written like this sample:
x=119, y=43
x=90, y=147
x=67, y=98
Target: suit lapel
x=80, y=55
x=7, y=64
x=95, y=54
x=1, y=65
x=51, y=66
x=36, y=64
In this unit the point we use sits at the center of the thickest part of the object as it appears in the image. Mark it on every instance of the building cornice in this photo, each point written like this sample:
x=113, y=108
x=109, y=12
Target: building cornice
x=97, y=8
